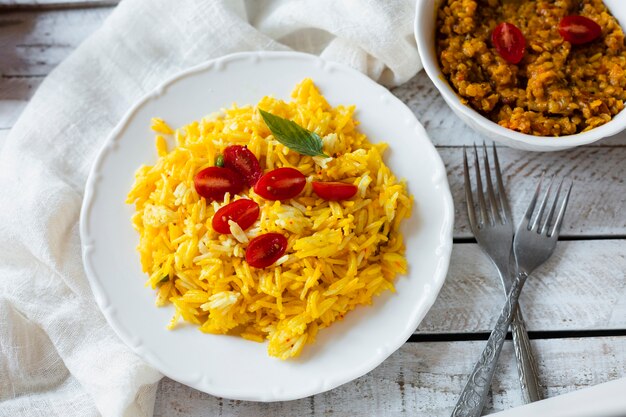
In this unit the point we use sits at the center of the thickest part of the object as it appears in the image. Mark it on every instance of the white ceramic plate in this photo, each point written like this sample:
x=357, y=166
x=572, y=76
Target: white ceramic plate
x=229, y=366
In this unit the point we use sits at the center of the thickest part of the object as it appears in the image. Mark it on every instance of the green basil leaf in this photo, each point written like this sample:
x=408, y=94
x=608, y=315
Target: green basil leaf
x=294, y=136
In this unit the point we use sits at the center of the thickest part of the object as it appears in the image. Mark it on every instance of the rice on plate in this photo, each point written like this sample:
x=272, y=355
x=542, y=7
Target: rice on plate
x=338, y=252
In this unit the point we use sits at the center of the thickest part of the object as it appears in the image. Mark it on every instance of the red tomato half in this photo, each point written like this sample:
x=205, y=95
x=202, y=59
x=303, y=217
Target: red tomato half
x=578, y=30
x=280, y=184
x=264, y=250
x=241, y=159
x=334, y=190
x=214, y=182
x=244, y=212
x=509, y=42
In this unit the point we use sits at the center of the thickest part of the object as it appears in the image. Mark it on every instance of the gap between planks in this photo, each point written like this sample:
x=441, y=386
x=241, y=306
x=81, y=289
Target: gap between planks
x=554, y=334
x=471, y=239
x=422, y=379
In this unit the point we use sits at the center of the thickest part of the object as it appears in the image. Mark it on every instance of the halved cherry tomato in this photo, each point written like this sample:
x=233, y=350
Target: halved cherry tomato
x=579, y=29
x=334, y=191
x=241, y=159
x=214, y=182
x=264, y=250
x=509, y=42
x=244, y=212
x=280, y=184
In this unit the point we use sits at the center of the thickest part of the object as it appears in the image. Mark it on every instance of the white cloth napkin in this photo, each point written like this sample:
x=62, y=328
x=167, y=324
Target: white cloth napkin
x=58, y=356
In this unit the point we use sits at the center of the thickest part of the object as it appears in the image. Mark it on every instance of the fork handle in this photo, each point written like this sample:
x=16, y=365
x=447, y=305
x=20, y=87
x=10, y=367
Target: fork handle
x=526, y=365
x=474, y=395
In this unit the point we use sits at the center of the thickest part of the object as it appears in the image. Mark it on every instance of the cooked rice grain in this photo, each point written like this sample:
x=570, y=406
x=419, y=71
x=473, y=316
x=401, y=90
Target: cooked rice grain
x=340, y=254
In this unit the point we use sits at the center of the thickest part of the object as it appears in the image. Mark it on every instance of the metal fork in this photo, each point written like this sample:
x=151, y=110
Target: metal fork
x=493, y=229
x=533, y=244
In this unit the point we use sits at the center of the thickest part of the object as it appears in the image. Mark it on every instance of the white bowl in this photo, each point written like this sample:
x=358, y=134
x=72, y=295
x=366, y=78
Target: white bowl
x=425, y=21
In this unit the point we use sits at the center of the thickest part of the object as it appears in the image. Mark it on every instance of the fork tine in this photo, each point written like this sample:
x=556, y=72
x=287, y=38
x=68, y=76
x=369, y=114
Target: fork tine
x=495, y=209
x=479, y=190
x=550, y=216
x=504, y=203
x=471, y=211
x=533, y=202
x=559, y=219
x=542, y=207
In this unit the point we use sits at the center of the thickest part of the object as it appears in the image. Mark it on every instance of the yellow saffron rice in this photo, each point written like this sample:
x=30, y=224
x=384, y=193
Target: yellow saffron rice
x=340, y=254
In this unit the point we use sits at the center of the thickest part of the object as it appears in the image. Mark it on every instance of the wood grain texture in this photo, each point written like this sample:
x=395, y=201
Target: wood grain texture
x=422, y=379
x=581, y=287
x=33, y=43
x=598, y=199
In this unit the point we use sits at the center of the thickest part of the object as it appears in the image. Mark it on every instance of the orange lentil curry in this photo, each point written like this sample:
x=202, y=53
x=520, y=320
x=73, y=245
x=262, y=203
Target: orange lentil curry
x=557, y=88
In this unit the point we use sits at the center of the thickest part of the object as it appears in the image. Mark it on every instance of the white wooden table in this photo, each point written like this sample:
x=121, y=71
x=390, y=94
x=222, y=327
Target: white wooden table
x=575, y=306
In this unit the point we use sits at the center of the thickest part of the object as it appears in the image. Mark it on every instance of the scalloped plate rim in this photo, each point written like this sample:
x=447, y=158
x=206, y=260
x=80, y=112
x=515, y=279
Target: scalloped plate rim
x=444, y=247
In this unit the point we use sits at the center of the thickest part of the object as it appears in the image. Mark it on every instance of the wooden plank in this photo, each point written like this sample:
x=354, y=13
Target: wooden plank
x=39, y=40
x=14, y=95
x=18, y=88
x=581, y=287
x=597, y=200
x=34, y=42
x=422, y=379
x=442, y=125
